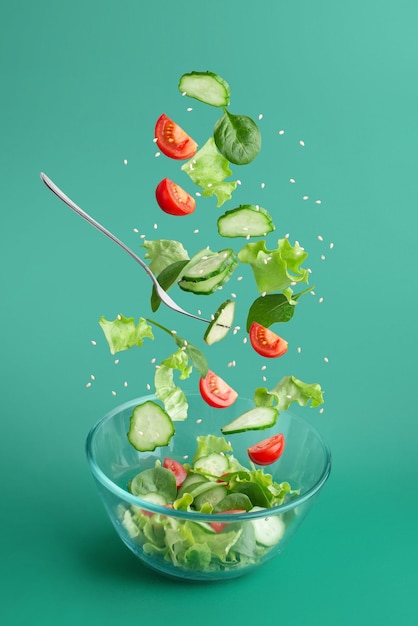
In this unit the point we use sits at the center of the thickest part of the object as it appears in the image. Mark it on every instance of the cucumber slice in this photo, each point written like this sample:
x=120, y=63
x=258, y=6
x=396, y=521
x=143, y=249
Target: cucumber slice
x=221, y=323
x=209, y=265
x=259, y=418
x=211, y=496
x=214, y=464
x=207, y=87
x=206, y=287
x=150, y=427
x=247, y=220
x=268, y=530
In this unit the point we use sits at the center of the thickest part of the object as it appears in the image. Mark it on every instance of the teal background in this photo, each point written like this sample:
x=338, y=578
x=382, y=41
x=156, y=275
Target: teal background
x=82, y=84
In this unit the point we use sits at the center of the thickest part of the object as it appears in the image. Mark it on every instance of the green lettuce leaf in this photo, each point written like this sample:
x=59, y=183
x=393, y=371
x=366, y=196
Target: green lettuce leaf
x=164, y=252
x=122, y=333
x=275, y=270
x=289, y=389
x=172, y=396
x=208, y=444
x=208, y=169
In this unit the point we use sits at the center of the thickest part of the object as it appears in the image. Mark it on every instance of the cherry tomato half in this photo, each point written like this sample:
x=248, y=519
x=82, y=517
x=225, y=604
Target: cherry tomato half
x=177, y=469
x=173, y=199
x=216, y=392
x=265, y=342
x=172, y=140
x=219, y=526
x=267, y=451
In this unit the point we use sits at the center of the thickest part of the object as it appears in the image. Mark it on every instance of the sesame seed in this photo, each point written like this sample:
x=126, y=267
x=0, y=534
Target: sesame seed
x=239, y=182
x=189, y=109
x=185, y=456
x=113, y=393
x=119, y=316
x=196, y=230
x=292, y=180
x=331, y=245
x=155, y=226
x=239, y=278
x=198, y=194
x=247, y=237
x=142, y=236
x=148, y=386
x=318, y=201
x=288, y=396
x=245, y=340
x=321, y=300
x=260, y=117
x=287, y=235
x=264, y=294
x=183, y=93
x=263, y=185
x=199, y=421
x=125, y=161
x=153, y=360
x=173, y=332
x=155, y=140
x=321, y=410
x=88, y=385
x=199, y=312
x=305, y=198
x=320, y=237
x=326, y=359
x=299, y=350
x=209, y=185
x=281, y=132
x=309, y=270
x=157, y=154
x=312, y=293
x=116, y=361
x=93, y=343
x=302, y=143
x=92, y=377
x=323, y=257
x=264, y=367
x=125, y=384
x=136, y=230
x=233, y=295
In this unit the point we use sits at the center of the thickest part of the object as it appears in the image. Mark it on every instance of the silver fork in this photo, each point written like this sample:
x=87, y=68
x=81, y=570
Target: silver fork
x=163, y=295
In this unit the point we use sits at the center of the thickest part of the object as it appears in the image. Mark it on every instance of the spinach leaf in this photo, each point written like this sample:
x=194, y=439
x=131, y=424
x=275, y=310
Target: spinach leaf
x=270, y=309
x=167, y=278
x=237, y=137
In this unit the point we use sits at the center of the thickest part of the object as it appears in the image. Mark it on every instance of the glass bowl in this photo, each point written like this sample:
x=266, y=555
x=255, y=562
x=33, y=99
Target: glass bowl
x=186, y=544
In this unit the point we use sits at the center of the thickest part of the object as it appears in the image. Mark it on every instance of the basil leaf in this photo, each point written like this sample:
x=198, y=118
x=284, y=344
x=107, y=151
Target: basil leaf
x=270, y=309
x=167, y=278
x=237, y=137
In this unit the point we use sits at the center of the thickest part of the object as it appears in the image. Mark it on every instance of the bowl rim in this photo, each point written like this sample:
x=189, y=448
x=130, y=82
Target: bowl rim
x=195, y=515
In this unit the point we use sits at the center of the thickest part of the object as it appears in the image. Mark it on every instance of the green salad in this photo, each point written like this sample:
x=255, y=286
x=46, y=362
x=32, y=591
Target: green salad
x=215, y=481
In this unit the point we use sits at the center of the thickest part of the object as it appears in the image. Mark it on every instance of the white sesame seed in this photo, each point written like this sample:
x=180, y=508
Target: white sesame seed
x=264, y=367
x=113, y=393
x=299, y=350
x=199, y=421
x=312, y=293
x=142, y=236
x=321, y=300
x=239, y=278
x=321, y=410
x=185, y=456
x=189, y=109
x=116, y=361
x=148, y=386
x=233, y=295
x=198, y=194
x=287, y=235
x=305, y=197
x=125, y=161
x=155, y=226
x=155, y=140
x=119, y=316
x=326, y=359
x=260, y=117
x=93, y=343
x=239, y=182
x=209, y=185
x=292, y=180
x=323, y=257
x=247, y=237
x=288, y=396
x=136, y=230
x=281, y=132
x=173, y=332
x=302, y=143
x=88, y=385
x=318, y=201
x=263, y=185
x=157, y=154
x=196, y=230
x=245, y=340
x=125, y=384
x=92, y=377
x=331, y=245
x=183, y=93
x=309, y=270
x=320, y=237
x=199, y=312
x=264, y=293
x=264, y=379
x=153, y=360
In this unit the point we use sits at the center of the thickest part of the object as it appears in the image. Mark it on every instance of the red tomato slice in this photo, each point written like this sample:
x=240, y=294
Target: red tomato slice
x=219, y=526
x=172, y=140
x=265, y=342
x=216, y=392
x=173, y=199
x=267, y=451
x=178, y=470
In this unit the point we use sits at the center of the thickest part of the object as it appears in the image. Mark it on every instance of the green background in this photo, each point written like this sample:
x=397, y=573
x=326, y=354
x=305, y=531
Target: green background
x=82, y=85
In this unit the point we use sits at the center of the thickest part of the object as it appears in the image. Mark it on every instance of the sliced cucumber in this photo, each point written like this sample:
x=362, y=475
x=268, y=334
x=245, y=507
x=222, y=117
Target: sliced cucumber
x=247, y=220
x=221, y=323
x=207, y=87
x=258, y=418
x=150, y=427
x=211, y=496
x=206, y=287
x=214, y=464
x=209, y=265
x=268, y=530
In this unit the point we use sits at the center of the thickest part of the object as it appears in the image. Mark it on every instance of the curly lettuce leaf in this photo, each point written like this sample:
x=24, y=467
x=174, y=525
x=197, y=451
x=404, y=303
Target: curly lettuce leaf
x=164, y=252
x=289, y=389
x=275, y=270
x=209, y=444
x=172, y=396
x=208, y=169
x=122, y=333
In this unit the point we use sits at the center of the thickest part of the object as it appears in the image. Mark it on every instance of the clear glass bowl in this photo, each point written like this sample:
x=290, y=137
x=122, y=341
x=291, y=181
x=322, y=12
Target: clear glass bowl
x=160, y=537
